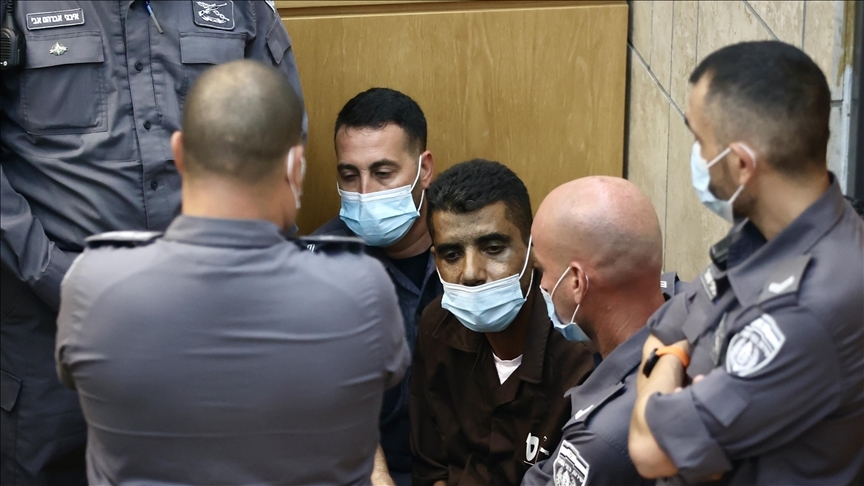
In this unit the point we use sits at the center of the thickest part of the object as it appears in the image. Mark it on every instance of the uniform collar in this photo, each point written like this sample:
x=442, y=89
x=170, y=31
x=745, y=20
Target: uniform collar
x=452, y=333
x=757, y=257
x=232, y=233
x=622, y=360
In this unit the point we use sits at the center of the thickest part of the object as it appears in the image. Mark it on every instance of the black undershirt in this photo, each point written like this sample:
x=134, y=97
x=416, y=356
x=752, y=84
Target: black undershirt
x=414, y=267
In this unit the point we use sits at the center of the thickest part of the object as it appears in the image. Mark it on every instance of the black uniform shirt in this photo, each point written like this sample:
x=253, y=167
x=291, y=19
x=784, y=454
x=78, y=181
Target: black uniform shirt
x=467, y=427
x=86, y=123
x=777, y=328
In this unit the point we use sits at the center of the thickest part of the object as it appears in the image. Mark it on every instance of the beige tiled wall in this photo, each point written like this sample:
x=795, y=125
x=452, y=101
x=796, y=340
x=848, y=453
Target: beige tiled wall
x=667, y=39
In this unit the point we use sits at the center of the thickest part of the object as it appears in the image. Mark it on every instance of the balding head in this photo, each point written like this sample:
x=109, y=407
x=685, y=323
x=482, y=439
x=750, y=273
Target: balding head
x=606, y=223
x=239, y=121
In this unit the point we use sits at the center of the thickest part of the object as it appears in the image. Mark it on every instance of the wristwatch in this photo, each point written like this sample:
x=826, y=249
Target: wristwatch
x=657, y=352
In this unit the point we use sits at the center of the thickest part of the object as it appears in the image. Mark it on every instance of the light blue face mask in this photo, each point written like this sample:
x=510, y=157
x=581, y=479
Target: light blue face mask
x=701, y=179
x=490, y=307
x=381, y=218
x=571, y=330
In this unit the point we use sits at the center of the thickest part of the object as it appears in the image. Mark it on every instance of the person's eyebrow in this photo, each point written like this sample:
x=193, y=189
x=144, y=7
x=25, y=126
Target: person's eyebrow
x=379, y=164
x=445, y=247
x=490, y=237
x=345, y=166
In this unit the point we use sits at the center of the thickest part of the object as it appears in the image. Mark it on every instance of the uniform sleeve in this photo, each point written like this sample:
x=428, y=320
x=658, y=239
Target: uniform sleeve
x=780, y=377
x=395, y=353
x=427, y=445
x=25, y=248
x=272, y=45
x=666, y=322
x=68, y=322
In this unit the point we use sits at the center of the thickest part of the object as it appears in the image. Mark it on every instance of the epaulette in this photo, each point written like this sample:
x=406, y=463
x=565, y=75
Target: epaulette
x=331, y=244
x=669, y=284
x=785, y=278
x=122, y=239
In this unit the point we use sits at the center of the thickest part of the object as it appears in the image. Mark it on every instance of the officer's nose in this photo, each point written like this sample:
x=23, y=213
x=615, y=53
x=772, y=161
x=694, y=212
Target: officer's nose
x=473, y=270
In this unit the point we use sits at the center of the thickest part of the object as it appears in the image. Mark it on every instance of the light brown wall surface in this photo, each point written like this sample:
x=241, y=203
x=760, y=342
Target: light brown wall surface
x=667, y=40
x=539, y=87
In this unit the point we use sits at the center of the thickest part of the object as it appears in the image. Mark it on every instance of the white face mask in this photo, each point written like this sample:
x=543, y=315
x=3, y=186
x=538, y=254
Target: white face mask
x=571, y=330
x=294, y=188
x=381, y=218
x=490, y=307
x=701, y=180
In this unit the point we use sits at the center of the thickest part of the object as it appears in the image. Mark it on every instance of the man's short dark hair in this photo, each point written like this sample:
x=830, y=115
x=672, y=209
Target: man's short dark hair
x=377, y=107
x=773, y=93
x=240, y=120
x=475, y=184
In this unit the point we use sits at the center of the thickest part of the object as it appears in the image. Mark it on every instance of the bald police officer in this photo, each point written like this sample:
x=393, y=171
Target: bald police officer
x=599, y=244
x=222, y=353
x=84, y=135
x=755, y=374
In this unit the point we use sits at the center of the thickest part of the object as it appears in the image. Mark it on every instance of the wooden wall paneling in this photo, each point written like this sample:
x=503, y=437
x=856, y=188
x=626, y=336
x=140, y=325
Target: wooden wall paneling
x=539, y=89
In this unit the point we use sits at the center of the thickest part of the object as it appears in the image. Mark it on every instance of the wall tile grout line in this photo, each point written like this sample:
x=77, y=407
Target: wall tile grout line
x=656, y=81
x=698, y=16
x=759, y=18
x=668, y=136
x=803, y=23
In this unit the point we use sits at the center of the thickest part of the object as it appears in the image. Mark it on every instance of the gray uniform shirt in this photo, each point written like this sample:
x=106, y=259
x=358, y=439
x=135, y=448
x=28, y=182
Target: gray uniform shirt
x=224, y=354
x=86, y=124
x=777, y=328
x=593, y=449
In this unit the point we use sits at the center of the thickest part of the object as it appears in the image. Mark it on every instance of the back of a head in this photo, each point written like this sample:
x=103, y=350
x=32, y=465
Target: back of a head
x=475, y=184
x=239, y=122
x=378, y=107
x=773, y=96
x=608, y=223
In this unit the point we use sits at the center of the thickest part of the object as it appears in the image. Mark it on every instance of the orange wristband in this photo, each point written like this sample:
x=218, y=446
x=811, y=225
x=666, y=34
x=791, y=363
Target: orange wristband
x=675, y=351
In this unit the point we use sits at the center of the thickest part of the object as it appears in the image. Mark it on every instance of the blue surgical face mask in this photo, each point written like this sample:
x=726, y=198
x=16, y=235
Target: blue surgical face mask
x=571, y=330
x=490, y=307
x=701, y=179
x=381, y=218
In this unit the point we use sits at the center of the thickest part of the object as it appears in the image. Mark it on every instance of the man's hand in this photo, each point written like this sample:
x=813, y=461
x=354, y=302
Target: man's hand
x=668, y=376
x=380, y=473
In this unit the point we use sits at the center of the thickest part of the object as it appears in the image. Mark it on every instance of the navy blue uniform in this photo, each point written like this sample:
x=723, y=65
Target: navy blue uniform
x=84, y=144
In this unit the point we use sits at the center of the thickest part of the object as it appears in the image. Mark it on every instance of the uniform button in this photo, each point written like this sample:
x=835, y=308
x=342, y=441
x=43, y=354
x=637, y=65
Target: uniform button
x=147, y=125
x=139, y=66
x=154, y=185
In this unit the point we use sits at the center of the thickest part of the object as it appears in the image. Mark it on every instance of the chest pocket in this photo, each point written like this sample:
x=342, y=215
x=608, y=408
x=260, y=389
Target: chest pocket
x=63, y=84
x=199, y=51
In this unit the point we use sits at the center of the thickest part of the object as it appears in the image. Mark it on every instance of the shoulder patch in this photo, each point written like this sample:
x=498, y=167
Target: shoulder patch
x=785, y=278
x=754, y=347
x=570, y=468
x=331, y=244
x=215, y=14
x=122, y=239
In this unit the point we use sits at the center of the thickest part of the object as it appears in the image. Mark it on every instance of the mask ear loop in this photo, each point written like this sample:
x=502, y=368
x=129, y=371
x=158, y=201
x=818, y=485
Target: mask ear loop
x=717, y=159
x=741, y=187
x=525, y=266
x=423, y=193
x=573, y=317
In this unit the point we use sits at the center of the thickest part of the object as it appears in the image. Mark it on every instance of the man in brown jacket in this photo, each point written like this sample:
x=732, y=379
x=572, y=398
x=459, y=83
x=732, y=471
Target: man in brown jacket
x=490, y=371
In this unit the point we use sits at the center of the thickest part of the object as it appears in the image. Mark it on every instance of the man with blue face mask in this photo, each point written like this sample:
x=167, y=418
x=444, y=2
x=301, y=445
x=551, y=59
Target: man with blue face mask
x=602, y=236
x=753, y=374
x=489, y=371
x=382, y=173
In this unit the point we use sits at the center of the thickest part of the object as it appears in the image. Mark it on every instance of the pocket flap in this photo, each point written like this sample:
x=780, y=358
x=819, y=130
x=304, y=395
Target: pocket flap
x=60, y=49
x=210, y=48
x=9, y=388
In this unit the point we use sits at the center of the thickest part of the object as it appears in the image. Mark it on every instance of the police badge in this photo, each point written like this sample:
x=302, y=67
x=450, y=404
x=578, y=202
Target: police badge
x=214, y=14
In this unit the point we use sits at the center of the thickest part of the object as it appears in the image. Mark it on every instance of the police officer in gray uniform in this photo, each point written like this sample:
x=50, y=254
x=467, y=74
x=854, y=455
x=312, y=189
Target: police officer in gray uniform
x=84, y=139
x=754, y=374
x=222, y=353
x=603, y=232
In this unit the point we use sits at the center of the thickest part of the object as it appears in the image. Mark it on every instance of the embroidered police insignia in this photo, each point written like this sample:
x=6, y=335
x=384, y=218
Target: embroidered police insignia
x=57, y=49
x=570, y=467
x=754, y=347
x=214, y=14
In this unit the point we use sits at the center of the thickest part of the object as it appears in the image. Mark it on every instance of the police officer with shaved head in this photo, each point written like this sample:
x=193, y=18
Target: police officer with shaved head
x=91, y=93
x=222, y=353
x=755, y=374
